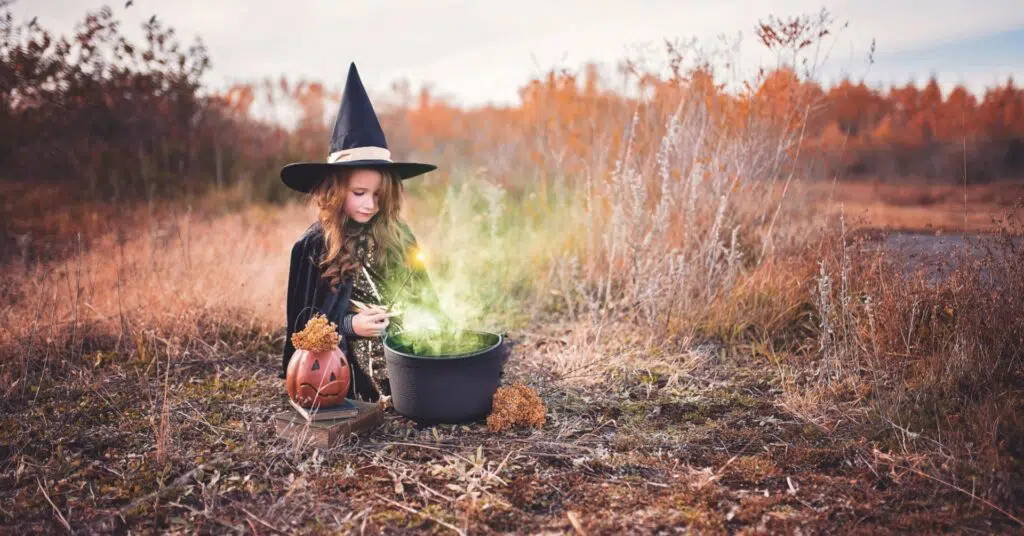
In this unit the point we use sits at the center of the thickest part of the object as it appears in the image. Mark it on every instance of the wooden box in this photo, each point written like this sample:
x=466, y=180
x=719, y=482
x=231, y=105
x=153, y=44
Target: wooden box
x=326, y=433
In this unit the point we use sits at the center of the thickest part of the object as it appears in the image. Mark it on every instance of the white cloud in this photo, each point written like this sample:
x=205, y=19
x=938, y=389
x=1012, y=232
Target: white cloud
x=485, y=50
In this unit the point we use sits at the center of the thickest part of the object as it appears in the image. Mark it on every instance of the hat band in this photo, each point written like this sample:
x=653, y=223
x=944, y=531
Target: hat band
x=359, y=153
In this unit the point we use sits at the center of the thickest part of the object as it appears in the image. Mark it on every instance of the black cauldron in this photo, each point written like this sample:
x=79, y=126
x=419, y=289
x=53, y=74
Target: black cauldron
x=447, y=389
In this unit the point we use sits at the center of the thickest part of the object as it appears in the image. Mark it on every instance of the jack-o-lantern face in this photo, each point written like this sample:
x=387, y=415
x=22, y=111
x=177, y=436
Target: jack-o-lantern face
x=318, y=379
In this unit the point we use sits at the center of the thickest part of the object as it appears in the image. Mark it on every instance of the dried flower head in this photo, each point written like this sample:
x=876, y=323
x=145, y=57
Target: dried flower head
x=319, y=335
x=516, y=404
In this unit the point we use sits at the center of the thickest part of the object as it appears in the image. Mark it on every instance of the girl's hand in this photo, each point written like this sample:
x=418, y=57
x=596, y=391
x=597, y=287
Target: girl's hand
x=371, y=322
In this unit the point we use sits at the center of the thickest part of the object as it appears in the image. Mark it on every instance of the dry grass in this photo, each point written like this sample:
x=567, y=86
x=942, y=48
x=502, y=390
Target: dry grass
x=132, y=415
x=180, y=276
x=921, y=356
x=711, y=354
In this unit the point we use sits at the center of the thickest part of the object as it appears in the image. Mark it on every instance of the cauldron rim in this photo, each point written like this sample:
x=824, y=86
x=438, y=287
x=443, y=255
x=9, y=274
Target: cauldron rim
x=453, y=357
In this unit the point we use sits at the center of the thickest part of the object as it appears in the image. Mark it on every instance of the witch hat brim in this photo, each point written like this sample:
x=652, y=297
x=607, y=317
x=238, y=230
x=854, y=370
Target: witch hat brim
x=357, y=141
x=304, y=176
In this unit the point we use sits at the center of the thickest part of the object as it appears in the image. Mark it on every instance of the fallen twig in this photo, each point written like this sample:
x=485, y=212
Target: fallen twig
x=60, y=516
x=261, y=522
x=435, y=492
x=575, y=520
x=962, y=490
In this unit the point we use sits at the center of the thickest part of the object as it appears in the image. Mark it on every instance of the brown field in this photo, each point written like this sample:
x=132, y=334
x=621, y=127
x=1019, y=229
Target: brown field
x=734, y=416
x=906, y=206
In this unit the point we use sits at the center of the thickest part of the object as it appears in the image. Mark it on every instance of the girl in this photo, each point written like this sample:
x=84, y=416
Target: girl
x=358, y=257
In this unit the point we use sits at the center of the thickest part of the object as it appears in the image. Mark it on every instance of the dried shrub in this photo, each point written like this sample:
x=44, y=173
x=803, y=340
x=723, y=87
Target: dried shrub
x=319, y=335
x=516, y=404
x=929, y=339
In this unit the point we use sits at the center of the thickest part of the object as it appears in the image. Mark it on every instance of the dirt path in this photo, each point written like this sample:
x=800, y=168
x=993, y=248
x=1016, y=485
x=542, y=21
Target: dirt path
x=935, y=256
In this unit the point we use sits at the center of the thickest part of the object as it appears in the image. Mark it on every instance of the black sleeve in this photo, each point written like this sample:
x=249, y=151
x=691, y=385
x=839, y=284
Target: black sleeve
x=306, y=293
x=309, y=293
x=295, y=301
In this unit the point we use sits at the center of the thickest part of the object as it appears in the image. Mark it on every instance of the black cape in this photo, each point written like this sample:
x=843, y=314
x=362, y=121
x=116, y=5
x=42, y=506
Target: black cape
x=309, y=293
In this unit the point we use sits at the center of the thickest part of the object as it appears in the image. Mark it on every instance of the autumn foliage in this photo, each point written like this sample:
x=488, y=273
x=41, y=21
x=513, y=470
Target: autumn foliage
x=129, y=120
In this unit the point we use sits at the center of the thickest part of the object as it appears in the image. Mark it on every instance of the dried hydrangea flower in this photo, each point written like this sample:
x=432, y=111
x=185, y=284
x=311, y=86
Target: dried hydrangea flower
x=319, y=335
x=516, y=404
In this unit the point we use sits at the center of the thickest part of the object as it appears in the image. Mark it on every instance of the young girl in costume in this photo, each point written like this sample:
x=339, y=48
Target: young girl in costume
x=359, y=257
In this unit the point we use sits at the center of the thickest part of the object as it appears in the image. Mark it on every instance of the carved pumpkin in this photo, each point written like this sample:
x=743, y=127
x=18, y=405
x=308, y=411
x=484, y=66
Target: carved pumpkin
x=318, y=379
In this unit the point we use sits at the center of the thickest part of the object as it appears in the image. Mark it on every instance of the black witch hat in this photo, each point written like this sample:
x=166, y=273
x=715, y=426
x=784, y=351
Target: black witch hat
x=357, y=142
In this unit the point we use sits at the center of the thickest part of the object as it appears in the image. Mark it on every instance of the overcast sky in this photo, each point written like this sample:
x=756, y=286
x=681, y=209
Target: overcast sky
x=478, y=52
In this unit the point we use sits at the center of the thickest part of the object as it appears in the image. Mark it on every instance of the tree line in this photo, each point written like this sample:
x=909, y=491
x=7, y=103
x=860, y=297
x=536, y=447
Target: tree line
x=114, y=118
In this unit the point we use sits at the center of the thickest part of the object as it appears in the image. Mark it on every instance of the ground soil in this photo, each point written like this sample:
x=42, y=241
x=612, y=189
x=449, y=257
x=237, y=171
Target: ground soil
x=647, y=451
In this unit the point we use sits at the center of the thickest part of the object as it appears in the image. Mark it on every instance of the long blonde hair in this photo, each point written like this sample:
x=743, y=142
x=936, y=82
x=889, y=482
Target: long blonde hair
x=339, y=257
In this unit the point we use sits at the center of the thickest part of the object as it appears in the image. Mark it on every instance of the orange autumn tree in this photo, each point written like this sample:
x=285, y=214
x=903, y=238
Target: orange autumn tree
x=132, y=121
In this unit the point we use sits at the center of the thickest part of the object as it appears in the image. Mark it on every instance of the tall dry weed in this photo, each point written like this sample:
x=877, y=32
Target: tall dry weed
x=668, y=234
x=934, y=352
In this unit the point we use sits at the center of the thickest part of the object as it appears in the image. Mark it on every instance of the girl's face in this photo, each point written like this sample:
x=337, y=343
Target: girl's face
x=362, y=201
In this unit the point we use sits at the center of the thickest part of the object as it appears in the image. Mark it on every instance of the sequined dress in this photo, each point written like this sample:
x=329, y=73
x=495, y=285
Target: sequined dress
x=367, y=287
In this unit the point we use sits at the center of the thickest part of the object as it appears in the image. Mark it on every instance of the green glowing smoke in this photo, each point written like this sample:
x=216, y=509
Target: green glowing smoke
x=485, y=251
x=441, y=343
